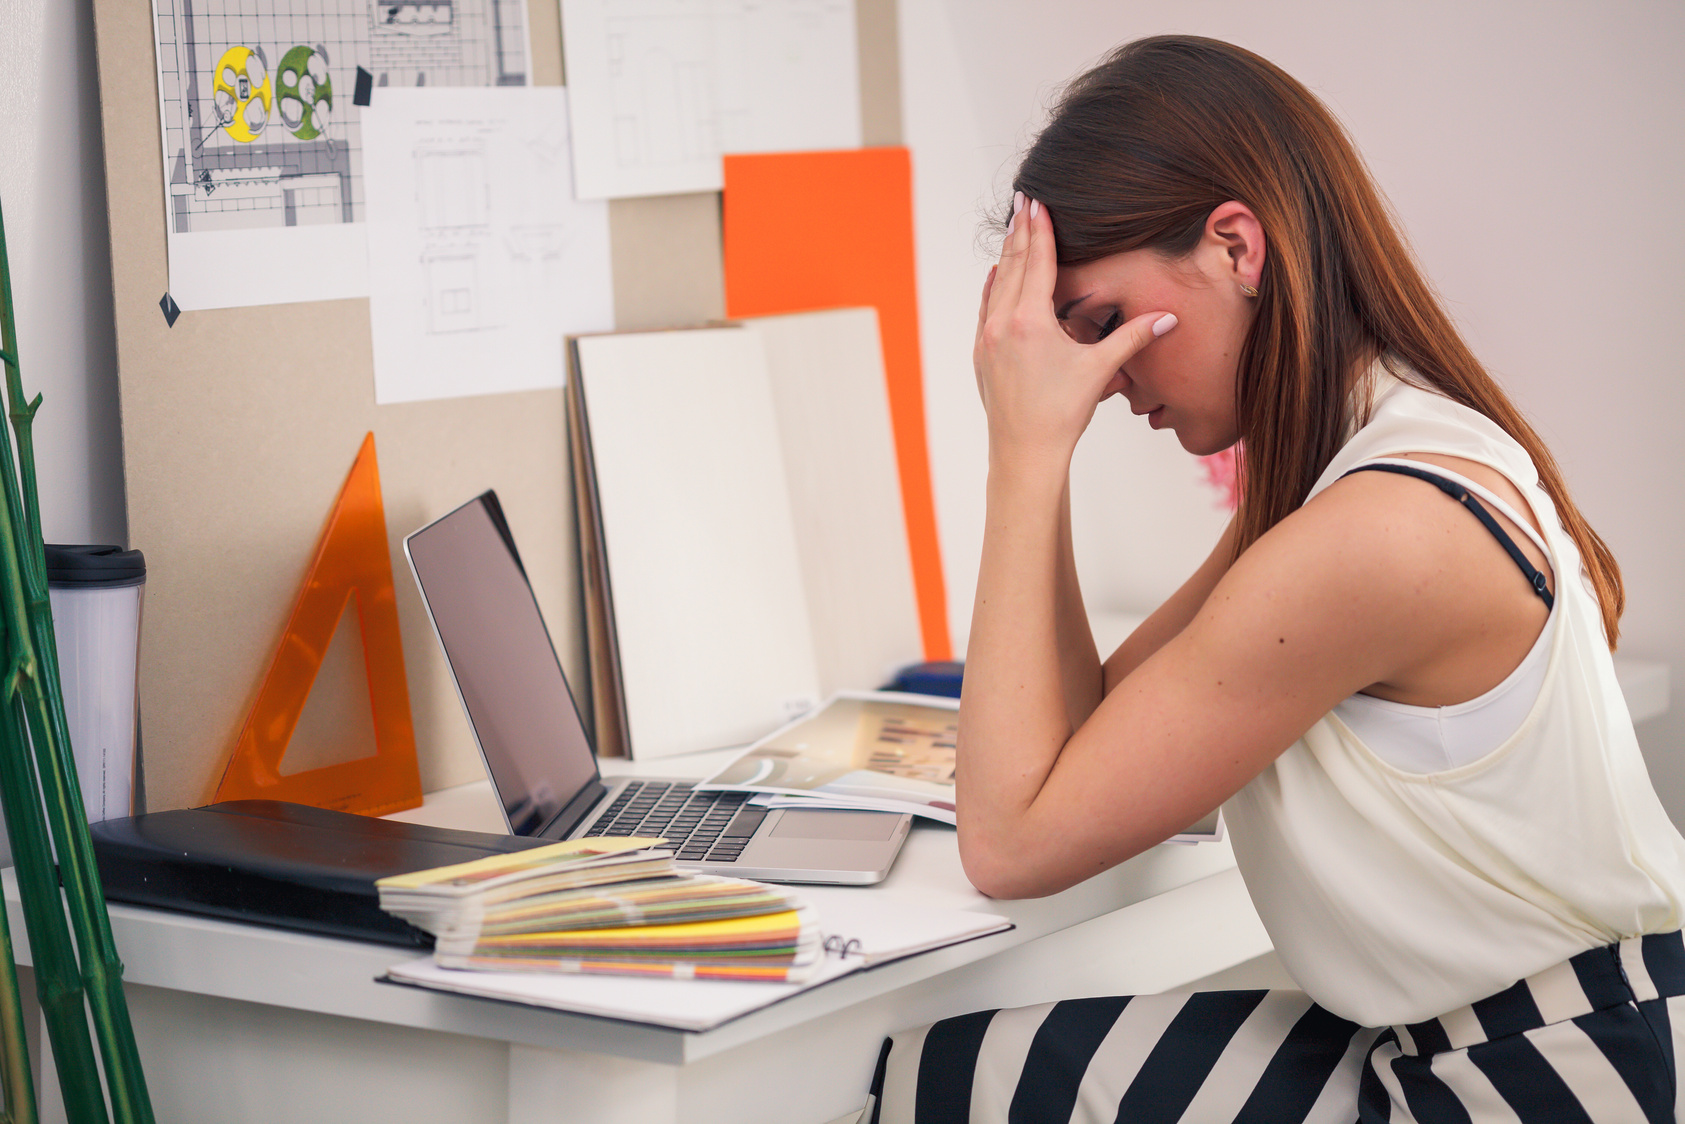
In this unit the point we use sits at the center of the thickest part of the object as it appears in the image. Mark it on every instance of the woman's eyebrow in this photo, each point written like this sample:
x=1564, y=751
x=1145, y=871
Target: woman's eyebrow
x=1064, y=310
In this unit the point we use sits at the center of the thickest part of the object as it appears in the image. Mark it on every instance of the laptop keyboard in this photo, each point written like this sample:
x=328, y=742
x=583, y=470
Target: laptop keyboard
x=711, y=826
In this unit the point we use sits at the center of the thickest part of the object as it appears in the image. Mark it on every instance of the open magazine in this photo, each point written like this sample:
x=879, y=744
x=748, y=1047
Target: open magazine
x=877, y=750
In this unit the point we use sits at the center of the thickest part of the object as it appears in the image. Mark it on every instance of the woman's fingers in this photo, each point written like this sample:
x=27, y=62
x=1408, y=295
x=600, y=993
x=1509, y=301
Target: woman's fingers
x=1009, y=275
x=1041, y=262
x=1131, y=336
x=1038, y=385
x=1029, y=260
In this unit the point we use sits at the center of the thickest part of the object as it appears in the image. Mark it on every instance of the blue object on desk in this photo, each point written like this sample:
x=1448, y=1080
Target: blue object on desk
x=941, y=677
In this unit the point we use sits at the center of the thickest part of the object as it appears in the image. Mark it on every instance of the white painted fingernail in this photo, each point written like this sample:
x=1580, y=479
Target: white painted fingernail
x=1164, y=323
x=1035, y=205
x=1017, y=203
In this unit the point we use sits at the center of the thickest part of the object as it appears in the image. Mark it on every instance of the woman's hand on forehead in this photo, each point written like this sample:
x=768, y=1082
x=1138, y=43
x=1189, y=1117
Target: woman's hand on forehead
x=1039, y=386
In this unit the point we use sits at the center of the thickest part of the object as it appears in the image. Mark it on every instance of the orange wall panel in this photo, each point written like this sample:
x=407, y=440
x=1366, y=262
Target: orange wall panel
x=815, y=230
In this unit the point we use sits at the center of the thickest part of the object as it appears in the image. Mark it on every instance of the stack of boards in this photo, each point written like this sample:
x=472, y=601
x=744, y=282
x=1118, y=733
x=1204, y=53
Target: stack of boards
x=743, y=544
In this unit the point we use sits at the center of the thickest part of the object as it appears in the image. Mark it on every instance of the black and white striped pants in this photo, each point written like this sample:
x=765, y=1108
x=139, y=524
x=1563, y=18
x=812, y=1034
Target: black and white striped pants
x=1590, y=1041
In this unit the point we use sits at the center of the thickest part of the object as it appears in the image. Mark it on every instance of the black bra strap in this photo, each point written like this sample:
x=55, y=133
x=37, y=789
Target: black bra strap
x=1456, y=491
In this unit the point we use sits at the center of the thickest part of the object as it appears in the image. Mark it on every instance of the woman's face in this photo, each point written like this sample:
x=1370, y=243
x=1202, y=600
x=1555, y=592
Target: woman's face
x=1186, y=380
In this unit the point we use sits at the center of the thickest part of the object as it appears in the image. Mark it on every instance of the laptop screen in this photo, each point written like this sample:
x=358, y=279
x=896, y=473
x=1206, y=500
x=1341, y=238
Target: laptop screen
x=506, y=671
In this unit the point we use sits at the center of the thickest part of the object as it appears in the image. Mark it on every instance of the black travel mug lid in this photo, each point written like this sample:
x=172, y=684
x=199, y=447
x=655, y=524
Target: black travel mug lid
x=76, y=566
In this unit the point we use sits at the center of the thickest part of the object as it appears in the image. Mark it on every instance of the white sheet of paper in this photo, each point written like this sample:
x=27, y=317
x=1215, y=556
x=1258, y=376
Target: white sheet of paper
x=263, y=156
x=869, y=928
x=663, y=88
x=480, y=260
x=680, y=1004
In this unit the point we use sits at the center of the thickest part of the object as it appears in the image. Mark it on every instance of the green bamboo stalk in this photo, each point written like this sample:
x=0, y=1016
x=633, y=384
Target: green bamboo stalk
x=101, y=970
x=15, y=1073
x=57, y=981
x=40, y=795
x=19, y=1091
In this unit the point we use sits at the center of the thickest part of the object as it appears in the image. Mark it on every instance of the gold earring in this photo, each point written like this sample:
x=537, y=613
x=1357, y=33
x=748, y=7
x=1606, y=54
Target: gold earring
x=1249, y=290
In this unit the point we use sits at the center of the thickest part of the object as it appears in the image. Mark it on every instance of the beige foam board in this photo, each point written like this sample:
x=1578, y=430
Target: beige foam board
x=239, y=426
x=709, y=615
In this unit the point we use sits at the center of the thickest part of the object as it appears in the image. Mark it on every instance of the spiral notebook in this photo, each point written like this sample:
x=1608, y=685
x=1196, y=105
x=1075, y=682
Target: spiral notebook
x=861, y=930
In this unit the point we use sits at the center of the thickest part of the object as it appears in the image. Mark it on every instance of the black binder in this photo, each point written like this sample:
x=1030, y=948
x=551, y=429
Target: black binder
x=287, y=865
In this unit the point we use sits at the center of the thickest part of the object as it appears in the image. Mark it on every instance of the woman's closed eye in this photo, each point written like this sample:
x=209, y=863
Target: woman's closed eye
x=1085, y=329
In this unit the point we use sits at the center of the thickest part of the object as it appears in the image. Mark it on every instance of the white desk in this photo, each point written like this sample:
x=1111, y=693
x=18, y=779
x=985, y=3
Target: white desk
x=239, y=1023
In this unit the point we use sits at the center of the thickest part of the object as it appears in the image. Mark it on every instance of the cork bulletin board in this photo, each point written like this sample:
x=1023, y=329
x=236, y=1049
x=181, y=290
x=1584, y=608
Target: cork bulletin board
x=239, y=426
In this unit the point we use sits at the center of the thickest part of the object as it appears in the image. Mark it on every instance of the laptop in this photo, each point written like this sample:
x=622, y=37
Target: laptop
x=539, y=754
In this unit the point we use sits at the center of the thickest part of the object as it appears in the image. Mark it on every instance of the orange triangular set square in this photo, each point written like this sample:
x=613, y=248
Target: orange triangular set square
x=352, y=562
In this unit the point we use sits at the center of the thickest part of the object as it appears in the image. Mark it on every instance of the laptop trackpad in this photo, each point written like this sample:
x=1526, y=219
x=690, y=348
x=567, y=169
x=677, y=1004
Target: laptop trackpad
x=801, y=823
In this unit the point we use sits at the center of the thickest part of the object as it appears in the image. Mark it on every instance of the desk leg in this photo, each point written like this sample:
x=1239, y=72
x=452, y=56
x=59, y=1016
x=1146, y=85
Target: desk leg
x=570, y=1087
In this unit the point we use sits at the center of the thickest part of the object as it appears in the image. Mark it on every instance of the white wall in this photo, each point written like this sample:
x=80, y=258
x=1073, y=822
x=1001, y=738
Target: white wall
x=52, y=189
x=1535, y=153
x=52, y=192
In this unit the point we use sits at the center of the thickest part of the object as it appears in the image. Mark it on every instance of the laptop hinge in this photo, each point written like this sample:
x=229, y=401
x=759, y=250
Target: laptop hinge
x=575, y=810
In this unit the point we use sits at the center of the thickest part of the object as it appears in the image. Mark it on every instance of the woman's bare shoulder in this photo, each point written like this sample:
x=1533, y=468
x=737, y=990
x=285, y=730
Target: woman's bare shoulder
x=1404, y=582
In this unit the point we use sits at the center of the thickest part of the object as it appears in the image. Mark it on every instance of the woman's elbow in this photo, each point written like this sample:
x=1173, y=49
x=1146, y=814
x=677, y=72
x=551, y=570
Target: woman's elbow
x=1014, y=865
x=1001, y=870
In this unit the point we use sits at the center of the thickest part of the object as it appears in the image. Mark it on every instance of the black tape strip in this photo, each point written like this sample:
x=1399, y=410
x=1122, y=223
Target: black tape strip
x=365, y=87
x=171, y=309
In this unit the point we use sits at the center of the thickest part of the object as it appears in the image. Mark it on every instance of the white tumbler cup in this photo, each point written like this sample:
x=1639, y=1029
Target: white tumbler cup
x=96, y=598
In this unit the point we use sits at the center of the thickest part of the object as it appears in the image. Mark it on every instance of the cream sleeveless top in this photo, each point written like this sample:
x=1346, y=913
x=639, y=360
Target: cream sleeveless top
x=1426, y=739
x=1395, y=895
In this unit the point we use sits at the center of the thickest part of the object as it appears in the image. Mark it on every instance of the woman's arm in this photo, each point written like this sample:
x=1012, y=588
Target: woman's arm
x=1363, y=585
x=1080, y=672
x=1028, y=683
x=1079, y=659
x=1014, y=717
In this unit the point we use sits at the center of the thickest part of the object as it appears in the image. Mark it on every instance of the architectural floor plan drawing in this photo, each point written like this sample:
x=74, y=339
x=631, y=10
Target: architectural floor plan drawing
x=661, y=89
x=262, y=133
x=480, y=259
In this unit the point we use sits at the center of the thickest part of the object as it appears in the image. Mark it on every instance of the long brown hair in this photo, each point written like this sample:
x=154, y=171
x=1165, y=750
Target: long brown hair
x=1141, y=149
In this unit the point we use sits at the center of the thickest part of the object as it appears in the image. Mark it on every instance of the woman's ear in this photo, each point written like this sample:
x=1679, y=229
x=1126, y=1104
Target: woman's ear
x=1236, y=236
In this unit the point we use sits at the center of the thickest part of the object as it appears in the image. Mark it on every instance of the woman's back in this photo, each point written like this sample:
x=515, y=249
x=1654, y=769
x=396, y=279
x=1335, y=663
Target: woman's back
x=1382, y=887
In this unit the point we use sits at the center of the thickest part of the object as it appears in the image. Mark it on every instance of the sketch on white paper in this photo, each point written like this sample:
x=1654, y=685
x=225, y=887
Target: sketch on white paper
x=480, y=260
x=263, y=144
x=661, y=89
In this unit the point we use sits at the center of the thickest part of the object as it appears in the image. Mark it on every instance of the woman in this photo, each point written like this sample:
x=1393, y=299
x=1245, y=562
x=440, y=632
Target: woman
x=1393, y=671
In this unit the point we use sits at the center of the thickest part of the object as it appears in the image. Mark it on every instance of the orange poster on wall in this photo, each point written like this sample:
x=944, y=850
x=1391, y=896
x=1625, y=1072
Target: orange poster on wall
x=814, y=230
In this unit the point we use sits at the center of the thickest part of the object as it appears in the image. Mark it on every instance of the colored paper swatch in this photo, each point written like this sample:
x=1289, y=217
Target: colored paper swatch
x=815, y=230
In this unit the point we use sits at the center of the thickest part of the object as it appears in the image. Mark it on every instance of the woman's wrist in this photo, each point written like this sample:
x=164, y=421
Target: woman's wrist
x=1028, y=483
x=1036, y=466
